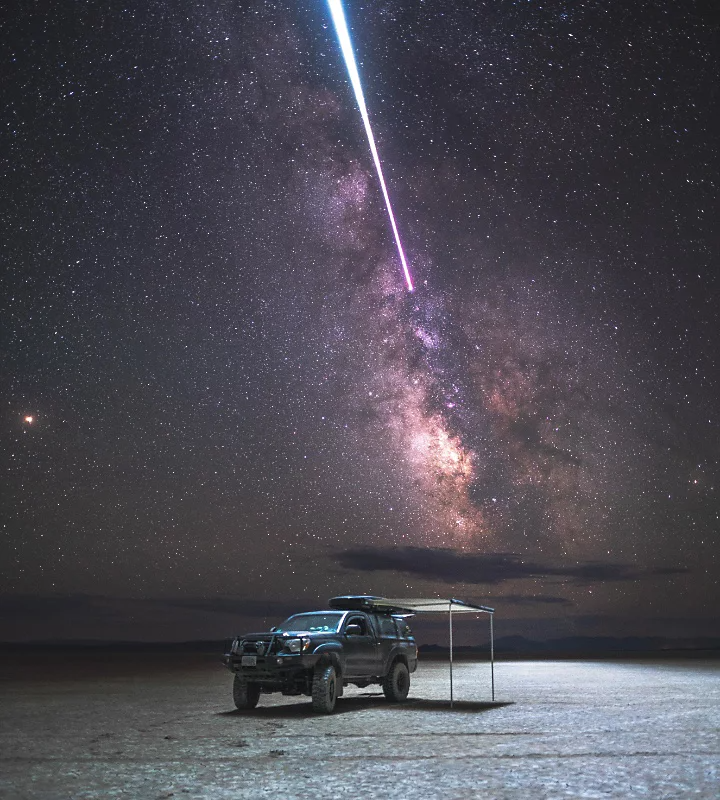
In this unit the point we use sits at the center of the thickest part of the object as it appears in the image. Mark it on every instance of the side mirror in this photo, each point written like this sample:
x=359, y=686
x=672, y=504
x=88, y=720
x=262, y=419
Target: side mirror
x=353, y=630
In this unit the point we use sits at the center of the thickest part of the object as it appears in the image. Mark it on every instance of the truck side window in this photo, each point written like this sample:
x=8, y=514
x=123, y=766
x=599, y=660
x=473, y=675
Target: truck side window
x=387, y=627
x=362, y=622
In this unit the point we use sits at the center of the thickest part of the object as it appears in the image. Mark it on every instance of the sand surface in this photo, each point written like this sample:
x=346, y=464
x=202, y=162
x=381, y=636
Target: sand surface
x=133, y=726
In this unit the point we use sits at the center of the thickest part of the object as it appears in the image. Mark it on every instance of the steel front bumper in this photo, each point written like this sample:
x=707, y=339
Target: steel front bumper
x=272, y=668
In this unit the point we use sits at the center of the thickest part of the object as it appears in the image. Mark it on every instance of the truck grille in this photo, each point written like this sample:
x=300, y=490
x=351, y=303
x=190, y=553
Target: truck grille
x=257, y=648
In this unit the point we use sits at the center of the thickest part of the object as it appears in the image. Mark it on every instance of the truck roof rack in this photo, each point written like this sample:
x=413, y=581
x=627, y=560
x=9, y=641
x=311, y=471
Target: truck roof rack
x=354, y=602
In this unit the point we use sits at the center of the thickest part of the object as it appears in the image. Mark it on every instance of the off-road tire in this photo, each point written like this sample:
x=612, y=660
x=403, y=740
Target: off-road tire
x=396, y=683
x=324, y=689
x=245, y=695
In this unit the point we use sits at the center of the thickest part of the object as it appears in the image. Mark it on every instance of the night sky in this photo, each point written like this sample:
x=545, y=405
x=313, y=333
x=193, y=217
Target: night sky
x=220, y=402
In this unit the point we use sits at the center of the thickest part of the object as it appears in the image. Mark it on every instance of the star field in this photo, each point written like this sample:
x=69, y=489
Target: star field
x=216, y=384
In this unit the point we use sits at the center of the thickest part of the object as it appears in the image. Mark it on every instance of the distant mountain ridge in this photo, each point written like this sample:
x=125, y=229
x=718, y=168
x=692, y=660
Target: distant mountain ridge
x=506, y=645
x=519, y=645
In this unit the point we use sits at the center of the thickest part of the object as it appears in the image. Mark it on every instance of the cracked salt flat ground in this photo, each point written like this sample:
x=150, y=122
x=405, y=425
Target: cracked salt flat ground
x=133, y=727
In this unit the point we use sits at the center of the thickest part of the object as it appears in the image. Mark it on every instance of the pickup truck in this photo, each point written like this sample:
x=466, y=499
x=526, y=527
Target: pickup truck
x=318, y=653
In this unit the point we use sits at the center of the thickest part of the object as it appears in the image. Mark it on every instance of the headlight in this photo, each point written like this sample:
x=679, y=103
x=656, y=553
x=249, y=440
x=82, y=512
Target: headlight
x=297, y=645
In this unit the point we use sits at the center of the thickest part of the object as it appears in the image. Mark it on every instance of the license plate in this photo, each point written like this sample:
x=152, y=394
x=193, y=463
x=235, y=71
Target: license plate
x=248, y=661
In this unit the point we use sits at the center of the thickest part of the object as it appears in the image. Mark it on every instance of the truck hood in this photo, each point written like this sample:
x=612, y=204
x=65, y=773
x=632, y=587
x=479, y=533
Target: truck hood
x=256, y=637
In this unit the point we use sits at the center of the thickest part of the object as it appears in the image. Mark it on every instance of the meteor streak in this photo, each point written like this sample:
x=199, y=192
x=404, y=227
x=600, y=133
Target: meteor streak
x=338, y=16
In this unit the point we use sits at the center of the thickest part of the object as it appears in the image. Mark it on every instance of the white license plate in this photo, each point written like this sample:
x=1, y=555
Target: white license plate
x=248, y=661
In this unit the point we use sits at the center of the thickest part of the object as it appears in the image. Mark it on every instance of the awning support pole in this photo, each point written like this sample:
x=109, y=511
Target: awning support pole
x=492, y=658
x=451, y=652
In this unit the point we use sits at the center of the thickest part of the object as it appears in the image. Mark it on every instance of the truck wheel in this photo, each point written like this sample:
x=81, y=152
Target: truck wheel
x=396, y=684
x=324, y=689
x=245, y=695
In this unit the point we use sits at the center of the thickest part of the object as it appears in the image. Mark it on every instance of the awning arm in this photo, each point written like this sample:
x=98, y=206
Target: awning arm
x=471, y=606
x=451, y=651
x=457, y=602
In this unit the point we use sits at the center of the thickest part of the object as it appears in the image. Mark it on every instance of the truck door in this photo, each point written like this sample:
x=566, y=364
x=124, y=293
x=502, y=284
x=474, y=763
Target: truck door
x=388, y=638
x=360, y=648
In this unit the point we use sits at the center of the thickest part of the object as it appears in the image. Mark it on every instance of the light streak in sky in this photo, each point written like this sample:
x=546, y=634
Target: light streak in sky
x=338, y=16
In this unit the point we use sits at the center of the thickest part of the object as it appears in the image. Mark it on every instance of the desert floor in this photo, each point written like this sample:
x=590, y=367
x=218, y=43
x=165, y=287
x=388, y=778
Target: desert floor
x=161, y=726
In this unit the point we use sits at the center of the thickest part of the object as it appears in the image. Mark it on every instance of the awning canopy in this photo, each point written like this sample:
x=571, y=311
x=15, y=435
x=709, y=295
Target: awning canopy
x=427, y=605
x=406, y=605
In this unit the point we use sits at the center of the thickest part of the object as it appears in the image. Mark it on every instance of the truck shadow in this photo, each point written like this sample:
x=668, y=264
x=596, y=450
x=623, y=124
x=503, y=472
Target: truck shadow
x=348, y=705
x=458, y=706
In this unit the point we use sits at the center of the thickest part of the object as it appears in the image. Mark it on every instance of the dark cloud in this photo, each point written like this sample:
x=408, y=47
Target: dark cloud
x=528, y=600
x=495, y=568
x=25, y=617
x=241, y=606
x=104, y=607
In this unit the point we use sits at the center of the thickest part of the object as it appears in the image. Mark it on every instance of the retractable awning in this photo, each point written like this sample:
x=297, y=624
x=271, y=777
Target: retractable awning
x=451, y=606
x=421, y=605
x=426, y=605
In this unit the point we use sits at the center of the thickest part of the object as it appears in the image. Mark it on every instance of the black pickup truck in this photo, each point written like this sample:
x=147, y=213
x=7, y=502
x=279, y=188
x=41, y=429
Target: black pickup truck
x=318, y=653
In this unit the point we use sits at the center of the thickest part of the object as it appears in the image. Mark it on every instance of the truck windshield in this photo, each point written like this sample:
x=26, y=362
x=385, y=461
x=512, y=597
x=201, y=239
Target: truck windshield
x=311, y=622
